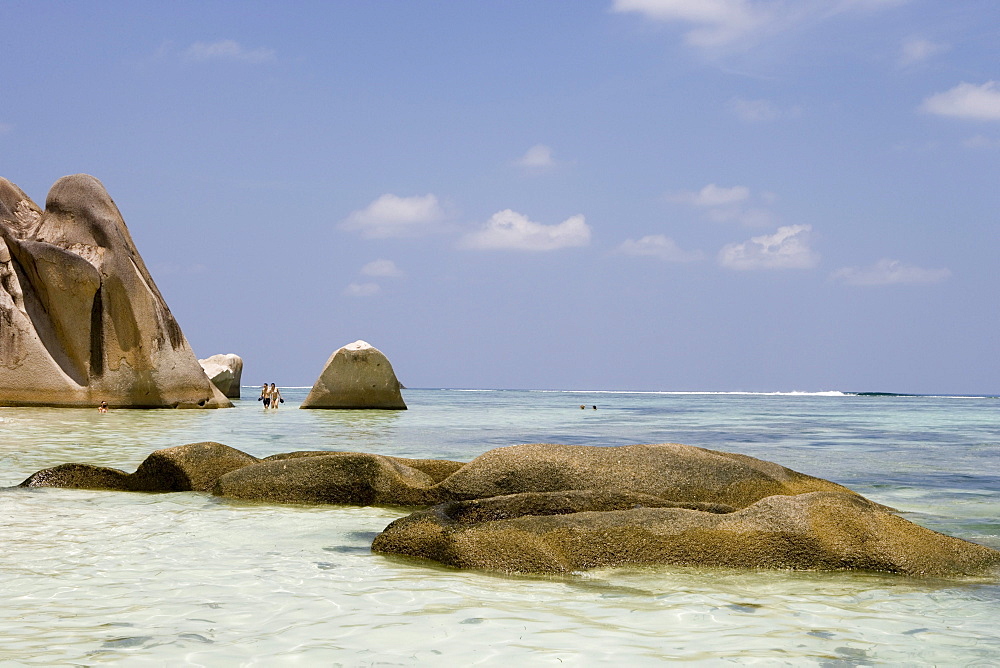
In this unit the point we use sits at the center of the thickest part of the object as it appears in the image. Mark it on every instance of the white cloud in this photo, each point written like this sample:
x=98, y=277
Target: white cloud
x=966, y=101
x=889, y=272
x=916, y=50
x=714, y=22
x=866, y=5
x=362, y=289
x=748, y=216
x=659, y=246
x=537, y=158
x=227, y=49
x=381, y=268
x=713, y=196
x=509, y=230
x=788, y=248
x=724, y=205
x=760, y=111
x=394, y=216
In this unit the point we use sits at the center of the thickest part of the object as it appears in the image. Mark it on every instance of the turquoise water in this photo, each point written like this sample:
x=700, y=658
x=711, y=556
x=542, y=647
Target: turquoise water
x=95, y=578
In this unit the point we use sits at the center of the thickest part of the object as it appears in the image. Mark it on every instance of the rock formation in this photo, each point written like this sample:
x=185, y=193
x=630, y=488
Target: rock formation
x=557, y=508
x=667, y=470
x=81, y=320
x=225, y=372
x=356, y=376
x=194, y=467
x=811, y=531
x=353, y=478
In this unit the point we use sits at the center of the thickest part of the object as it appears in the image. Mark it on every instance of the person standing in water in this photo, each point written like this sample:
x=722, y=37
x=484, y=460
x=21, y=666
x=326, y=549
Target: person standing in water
x=103, y=408
x=275, y=397
x=265, y=395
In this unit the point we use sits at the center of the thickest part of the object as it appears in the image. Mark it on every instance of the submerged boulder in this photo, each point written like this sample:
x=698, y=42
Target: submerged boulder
x=81, y=320
x=79, y=476
x=810, y=531
x=437, y=469
x=225, y=372
x=352, y=478
x=356, y=376
x=194, y=467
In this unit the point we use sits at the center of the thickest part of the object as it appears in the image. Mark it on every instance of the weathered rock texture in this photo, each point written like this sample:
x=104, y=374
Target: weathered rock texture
x=810, y=531
x=437, y=469
x=556, y=508
x=353, y=478
x=356, y=376
x=225, y=372
x=184, y=468
x=667, y=470
x=81, y=320
x=674, y=472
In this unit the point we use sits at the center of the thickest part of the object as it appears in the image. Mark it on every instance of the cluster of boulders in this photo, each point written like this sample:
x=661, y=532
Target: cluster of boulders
x=547, y=508
x=357, y=376
x=82, y=322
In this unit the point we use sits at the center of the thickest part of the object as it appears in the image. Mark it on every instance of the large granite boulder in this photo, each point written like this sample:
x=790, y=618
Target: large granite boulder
x=81, y=320
x=356, y=376
x=225, y=372
x=667, y=470
x=810, y=531
x=194, y=467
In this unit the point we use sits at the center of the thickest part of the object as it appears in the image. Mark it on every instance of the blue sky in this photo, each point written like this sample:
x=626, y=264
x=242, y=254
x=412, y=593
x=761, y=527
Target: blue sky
x=760, y=195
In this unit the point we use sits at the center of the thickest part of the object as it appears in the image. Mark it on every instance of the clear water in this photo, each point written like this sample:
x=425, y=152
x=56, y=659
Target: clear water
x=93, y=578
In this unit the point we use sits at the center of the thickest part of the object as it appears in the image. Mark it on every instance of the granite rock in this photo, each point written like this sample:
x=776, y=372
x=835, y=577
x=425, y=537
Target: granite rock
x=356, y=376
x=81, y=320
x=183, y=468
x=350, y=478
x=225, y=371
x=667, y=471
x=808, y=531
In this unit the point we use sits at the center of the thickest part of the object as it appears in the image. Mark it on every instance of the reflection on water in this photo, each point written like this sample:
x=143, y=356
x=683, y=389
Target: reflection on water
x=94, y=578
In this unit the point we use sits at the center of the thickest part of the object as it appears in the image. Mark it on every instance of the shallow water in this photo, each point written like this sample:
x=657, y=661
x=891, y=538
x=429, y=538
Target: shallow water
x=92, y=578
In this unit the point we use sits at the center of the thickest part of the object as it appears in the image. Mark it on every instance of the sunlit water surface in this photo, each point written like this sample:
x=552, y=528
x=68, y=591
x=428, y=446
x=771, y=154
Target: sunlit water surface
x=93, y=578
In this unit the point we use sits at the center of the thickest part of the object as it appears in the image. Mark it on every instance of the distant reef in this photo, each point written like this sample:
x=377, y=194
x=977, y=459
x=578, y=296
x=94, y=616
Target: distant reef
x=81, y=320
x=545, y=508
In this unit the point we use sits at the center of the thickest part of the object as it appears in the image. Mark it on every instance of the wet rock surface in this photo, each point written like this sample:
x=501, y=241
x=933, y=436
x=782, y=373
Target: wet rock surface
x=194, y=467
x=555, y=508
x=810, y=531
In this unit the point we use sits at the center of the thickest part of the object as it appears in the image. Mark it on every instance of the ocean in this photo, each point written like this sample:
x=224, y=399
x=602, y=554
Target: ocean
x=94, y=578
